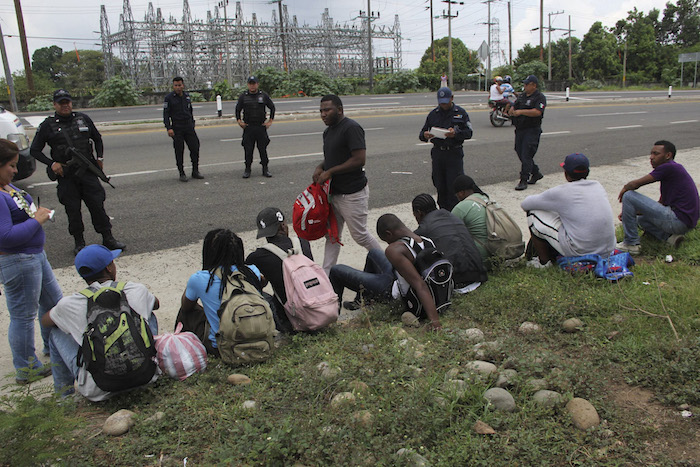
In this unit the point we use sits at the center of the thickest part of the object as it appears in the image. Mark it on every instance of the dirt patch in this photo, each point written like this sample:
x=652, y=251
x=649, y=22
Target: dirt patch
x=677, y=438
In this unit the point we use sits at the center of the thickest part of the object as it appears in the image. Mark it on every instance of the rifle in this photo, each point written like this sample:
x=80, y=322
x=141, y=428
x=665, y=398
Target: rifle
x=82, y=162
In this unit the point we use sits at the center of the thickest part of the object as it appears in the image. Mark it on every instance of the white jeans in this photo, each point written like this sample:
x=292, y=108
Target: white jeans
x=351, y=209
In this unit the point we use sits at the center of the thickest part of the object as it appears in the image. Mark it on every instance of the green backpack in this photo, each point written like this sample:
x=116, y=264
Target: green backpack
x=118, y=348
x=246, y=325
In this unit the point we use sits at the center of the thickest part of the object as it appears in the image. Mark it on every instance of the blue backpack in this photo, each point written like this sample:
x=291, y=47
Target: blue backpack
x=613, y=268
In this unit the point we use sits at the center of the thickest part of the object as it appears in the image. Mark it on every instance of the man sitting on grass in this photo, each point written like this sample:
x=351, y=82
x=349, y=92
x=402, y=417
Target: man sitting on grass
x=95, y=264
x=675, y=213
x=573, y=219
x=388, y=274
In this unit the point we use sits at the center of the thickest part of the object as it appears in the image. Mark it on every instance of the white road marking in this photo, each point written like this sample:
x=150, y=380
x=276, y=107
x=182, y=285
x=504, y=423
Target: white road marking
x=556, y=133
x=622, y=127
x=147, y=172
x=294, y=134
x=554, y=96
x=402, y=173
x=385, y=98
x=613, y=113
x=684, y=121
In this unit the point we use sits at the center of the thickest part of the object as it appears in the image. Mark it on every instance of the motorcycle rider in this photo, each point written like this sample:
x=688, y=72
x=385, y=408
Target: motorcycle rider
x=508, y=92
x=496, y=93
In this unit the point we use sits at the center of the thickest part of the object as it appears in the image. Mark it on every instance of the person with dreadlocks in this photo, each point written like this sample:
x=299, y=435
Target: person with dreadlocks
x=222, y=252
x=452, y=238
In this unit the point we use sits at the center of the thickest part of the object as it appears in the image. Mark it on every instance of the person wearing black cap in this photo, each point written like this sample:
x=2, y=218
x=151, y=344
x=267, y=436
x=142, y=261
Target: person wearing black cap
x=95, y=264
x=179, y=121
x=447, y=154
x=254, y=104
x=573, y=219
x=472, y=211
x=75, y=185
x=527, y=113
x=272, y=226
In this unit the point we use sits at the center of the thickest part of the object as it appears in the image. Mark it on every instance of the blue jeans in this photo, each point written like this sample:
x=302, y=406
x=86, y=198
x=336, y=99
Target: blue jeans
x=653, y=217
x=374, y=281
x=64, y=354
x=30, y=287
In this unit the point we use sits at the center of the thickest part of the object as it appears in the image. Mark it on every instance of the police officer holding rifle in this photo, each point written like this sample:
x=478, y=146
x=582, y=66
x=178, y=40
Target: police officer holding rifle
x=71, y=137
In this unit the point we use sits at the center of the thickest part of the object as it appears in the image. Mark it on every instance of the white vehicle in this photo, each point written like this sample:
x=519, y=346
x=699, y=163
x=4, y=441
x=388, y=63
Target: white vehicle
x=11, y=129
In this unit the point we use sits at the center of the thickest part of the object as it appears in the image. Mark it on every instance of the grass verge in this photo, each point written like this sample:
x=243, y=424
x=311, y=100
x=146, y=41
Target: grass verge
x=404, y=396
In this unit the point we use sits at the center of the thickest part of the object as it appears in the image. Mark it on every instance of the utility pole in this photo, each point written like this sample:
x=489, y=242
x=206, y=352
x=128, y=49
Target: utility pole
x=370, y=17
x=570, y=70
x=449, y=17
x=624, y=66
x=549, y=42
x=284, y=46
x=510, y=41
x=8, y=73
x=432, y=31
x=223, y=4
x=541, y=30
x=489, y=24
x=25, y=49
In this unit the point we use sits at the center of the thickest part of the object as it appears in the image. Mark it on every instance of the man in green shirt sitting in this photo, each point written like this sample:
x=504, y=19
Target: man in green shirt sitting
x=472, y=212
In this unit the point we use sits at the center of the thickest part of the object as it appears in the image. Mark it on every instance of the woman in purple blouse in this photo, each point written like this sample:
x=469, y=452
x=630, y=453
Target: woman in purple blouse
x=29, y=282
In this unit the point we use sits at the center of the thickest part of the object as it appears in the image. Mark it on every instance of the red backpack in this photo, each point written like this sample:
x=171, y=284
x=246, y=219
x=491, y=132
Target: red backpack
x=312, y=215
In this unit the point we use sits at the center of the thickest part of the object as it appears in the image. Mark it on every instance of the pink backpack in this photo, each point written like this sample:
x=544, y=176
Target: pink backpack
x=180, y=354
x=311, y=302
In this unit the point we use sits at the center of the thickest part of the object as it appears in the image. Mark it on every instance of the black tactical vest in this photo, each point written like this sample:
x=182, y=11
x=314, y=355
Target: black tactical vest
x=254, y=109
x=78, y=133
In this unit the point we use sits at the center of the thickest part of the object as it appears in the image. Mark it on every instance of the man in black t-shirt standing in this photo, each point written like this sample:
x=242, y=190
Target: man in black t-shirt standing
x=271, y=225
x=344, y=156
x=527, y=113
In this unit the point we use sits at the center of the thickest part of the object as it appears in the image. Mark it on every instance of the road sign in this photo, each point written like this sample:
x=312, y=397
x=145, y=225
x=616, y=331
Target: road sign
x=691, y=57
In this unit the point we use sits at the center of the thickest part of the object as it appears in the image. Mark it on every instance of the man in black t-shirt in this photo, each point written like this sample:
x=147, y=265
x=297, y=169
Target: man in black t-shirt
x=344, y=156
x=527, y=113
x=271, y=225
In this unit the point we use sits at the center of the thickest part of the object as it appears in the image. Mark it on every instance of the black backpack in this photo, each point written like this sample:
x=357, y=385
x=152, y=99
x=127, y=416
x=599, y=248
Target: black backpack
x=436, y=270
x=118, y=347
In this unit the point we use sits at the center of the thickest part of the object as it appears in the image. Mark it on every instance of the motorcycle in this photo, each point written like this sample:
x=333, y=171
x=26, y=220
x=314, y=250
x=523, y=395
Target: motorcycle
x=498, y=115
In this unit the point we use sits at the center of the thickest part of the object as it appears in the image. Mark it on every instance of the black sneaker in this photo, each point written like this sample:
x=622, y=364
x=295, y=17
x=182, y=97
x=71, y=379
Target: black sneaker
x=183, y=177
x=246, y=173
x=266, y=173
x=352, y=306
x=534, y=177
x=113, y=244
x=522, y=185
x=196, y=174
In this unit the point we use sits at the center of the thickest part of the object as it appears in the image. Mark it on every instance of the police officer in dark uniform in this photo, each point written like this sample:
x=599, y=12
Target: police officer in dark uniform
x=179, y=121
x=447, y=154
x=75, y=184
x=253, y=103
x=527, y=115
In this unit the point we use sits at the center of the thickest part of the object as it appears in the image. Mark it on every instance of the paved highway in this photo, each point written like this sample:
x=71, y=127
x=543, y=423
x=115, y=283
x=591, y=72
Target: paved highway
x=359, y=103
x=153, y=211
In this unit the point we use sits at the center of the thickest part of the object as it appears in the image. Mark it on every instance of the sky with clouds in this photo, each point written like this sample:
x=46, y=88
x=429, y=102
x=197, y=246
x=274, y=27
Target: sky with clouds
x=76, y=23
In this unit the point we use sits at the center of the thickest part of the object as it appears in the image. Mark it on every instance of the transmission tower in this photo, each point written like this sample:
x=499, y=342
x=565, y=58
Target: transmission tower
x=154, y=49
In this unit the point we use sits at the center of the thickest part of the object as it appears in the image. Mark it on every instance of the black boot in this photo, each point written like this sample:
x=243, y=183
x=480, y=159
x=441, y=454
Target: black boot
x=79, y=243
x=195, y=172
x=266, y=173
x=534, y=178
x=112, y=243
x=522, y=185
x=183, y=177
x=246, y=172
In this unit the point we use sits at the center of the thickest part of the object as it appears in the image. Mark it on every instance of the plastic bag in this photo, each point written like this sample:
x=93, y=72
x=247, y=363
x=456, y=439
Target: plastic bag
x=180, y=354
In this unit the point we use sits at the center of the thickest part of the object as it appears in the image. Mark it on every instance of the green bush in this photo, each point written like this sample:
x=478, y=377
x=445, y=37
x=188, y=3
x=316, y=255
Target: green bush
x=40, y=103
x=270, y=79
x=197, y=97
x=223, y=89
x=535, y=67
x=116, y=92
x=399, y=82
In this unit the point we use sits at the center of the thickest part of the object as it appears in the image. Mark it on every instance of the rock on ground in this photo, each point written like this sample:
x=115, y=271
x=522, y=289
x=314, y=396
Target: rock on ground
x=583, y=414
x=501, y=399
x=119, y=422
x=547, y=398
